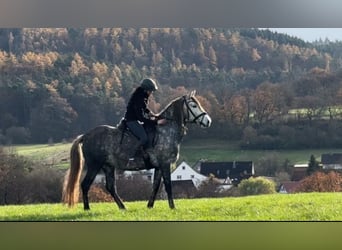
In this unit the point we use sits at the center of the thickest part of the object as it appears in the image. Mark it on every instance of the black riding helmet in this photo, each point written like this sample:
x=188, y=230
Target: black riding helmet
x=149, y=85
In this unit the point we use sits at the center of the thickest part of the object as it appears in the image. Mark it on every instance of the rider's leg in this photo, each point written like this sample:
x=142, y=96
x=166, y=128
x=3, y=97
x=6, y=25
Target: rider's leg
x=139, y=131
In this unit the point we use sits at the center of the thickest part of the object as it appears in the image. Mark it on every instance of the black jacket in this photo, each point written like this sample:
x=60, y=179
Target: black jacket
x=137, y=107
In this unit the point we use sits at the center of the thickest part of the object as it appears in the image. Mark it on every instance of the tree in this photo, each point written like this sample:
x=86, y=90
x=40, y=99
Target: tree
x=264, y=104
x=236, y=109
x=313, y=165
x=52, y=117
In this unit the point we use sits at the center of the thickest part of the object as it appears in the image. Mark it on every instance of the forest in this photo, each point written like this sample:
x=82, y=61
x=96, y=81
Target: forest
x=263, y=90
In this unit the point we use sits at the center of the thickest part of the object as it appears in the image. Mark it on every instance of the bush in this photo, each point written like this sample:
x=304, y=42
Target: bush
x=25, y=182
x=208, y=188
x=321, y=182
x=44, y=185
x=258, y=185
x=98, y=193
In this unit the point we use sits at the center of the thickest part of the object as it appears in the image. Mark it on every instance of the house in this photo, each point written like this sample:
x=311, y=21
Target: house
x=331, y=161
x=228, y=171
x=184, y=172
x=288, y=187
x=299, y=172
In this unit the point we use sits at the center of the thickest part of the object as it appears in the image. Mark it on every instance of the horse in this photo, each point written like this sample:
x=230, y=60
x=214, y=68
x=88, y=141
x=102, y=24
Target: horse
x=107, y=148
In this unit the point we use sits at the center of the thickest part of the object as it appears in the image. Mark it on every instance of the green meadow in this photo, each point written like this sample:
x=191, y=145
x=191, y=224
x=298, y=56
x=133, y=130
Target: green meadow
x=190, y=151
x=275, y=207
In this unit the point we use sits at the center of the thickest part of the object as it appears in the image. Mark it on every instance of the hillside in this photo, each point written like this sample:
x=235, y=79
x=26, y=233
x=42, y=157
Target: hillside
x=58, y=83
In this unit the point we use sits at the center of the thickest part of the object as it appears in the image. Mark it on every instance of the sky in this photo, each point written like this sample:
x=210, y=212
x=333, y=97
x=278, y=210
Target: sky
x=312, y=34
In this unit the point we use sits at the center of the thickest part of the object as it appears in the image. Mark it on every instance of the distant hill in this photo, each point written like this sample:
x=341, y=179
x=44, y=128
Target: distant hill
x=58, y=82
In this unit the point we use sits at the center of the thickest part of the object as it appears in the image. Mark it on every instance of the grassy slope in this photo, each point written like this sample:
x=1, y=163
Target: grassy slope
x=57, y=154
x=191, y=152
x=225, y=151
x=276, y=207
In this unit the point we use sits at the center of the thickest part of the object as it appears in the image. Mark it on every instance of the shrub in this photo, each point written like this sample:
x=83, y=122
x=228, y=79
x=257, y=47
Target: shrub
x=130, y=189
x=258, y=185
x=134, y=188
x=24, y=182
x=208, y=188
x=44, y=185
x=321, y=182
x=98, y=193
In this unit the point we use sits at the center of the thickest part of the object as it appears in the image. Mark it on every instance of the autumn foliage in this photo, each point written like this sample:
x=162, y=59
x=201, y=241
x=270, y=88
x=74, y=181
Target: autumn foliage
x=321, y=182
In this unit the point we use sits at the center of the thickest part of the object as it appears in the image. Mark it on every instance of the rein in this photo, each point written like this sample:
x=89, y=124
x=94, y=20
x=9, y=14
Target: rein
x=189, y=111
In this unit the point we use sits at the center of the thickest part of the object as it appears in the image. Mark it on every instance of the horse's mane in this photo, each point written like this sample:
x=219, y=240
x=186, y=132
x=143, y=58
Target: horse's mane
x=177, y=110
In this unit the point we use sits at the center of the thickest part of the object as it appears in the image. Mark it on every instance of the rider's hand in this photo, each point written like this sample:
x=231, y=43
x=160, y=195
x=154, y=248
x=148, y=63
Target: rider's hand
x=161, y=121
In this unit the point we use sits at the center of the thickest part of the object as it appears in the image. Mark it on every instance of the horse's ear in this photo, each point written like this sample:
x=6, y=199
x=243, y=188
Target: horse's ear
x=193, y=93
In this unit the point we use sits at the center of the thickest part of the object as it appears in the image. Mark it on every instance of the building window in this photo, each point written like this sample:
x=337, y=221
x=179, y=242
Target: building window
x=183, y=167
x=192, y=176
x=179, y=177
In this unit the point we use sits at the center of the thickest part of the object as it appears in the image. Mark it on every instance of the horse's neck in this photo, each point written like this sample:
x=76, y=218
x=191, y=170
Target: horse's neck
x=175, y=118
x=174, y=112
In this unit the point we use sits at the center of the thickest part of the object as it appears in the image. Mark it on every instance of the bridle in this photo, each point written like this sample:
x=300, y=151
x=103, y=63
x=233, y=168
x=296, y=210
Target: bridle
x=199, y=117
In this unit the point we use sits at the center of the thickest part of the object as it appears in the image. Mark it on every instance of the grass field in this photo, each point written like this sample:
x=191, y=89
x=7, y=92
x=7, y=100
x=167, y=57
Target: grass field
x=190, y=151
x=56, y=154
x=275, y=207
x=225, y=151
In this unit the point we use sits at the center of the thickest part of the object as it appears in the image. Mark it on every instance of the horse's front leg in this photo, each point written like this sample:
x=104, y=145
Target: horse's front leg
x=156, y=185
x=166, y=173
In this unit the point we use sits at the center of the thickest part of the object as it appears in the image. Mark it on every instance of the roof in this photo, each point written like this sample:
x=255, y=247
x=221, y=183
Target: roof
x=185, y=172
x=222, y=170
x=335, y=158
x=289, y=186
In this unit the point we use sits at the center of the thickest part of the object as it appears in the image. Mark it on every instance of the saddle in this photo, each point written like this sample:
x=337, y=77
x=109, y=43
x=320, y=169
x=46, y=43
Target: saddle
x=125, y=131
x=129, y=142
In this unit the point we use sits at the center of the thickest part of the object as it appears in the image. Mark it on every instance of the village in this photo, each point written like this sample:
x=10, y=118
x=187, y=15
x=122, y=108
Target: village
x=186, y=179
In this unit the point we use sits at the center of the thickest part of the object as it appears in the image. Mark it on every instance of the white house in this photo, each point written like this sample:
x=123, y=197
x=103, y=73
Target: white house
x=184, y=172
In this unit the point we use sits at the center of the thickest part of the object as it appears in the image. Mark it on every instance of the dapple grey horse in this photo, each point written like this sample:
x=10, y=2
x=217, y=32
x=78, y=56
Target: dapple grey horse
x=107, y=148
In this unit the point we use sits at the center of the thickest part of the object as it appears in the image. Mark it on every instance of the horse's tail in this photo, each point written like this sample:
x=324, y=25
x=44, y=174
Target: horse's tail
x=72, y=178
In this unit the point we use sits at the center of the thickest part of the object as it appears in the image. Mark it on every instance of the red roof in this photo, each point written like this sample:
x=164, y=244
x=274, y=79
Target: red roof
x=290, y=186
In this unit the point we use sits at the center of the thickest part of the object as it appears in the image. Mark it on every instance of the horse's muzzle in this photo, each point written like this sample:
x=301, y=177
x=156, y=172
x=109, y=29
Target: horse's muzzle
x=206, y=121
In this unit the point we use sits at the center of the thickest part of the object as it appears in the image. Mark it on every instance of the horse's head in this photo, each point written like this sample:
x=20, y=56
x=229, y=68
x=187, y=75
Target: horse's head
x=195, y=112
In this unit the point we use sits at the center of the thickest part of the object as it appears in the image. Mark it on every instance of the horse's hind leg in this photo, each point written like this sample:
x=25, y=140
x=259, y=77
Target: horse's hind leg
x=111, y=186
x=156, y=186
x=92, y=171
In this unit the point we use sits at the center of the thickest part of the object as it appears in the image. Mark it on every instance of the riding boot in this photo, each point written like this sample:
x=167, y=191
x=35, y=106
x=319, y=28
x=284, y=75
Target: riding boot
x=131, y=158
x=153, y=157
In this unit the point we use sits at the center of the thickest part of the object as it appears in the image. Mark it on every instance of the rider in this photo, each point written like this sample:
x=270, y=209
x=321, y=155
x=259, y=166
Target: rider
x=137, y=114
